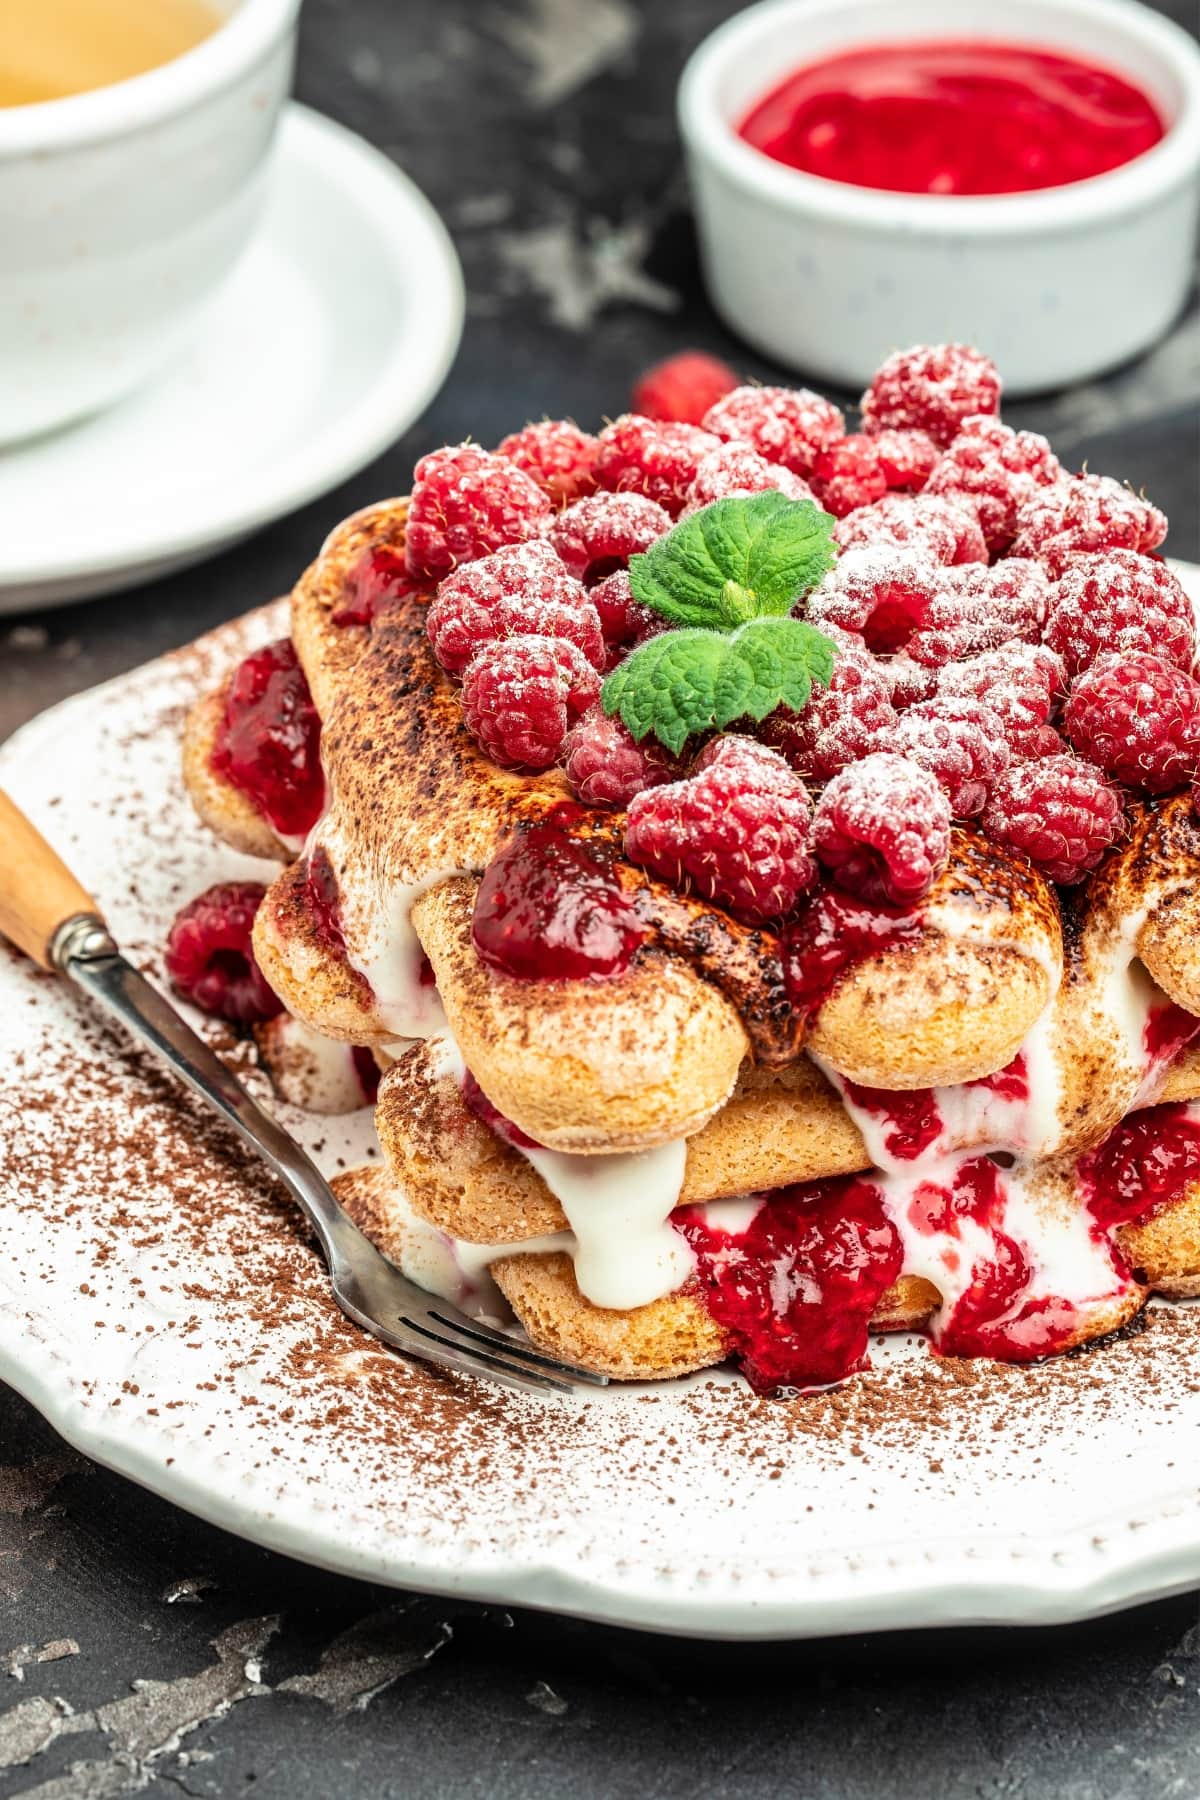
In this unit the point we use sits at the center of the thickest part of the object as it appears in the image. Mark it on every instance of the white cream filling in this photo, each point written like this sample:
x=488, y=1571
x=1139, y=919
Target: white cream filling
x=308, y=1070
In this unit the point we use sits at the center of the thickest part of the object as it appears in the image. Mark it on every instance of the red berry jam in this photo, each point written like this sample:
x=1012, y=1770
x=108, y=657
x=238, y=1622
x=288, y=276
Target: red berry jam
x=796, y=1289
x=551, y=909
x=1168, y=1029
x=491, y=1116
x=268, y=742
x=831, y=933
x=955, y=117
x=1145, y=1162
x=912, y=1117
x=325, y=902
x=376, y=581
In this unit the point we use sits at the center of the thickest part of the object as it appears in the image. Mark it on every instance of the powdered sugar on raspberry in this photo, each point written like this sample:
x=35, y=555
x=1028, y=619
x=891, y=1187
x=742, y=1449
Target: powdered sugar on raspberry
x=842, y=723
x=962, y=744
x=1138, y=717
x=791, y=426
x=737, y=469
x=1088, y=512
x=931, y=388
x=607, y=767
x=598, y=534
x=519, y=590
x=555, y=454
x=883, y=591
x=657, y=458
x=1119, y=600
x=1059, y=812
x=521, y=696
x=882, y=830
x=465, y=503
x=942, y=529
x=998, y=469
x=1021, y=683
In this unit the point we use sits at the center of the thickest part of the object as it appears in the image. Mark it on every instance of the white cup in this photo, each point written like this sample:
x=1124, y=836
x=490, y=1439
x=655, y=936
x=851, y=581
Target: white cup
x=1056, y=285
x=123, y=209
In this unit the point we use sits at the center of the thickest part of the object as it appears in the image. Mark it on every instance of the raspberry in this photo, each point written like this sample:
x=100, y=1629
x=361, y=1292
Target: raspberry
x=601, y=532
x=683, y=387
x=785, y=425
x=736, y=469
x=944, y=530
x=850, y=474
x=522, y=590
x=466, y=502
x=607, y=767
x=961, y=743
x=1059, y=812
x=882, y=829
x=883, y=591
x=646, y=456
x=1138, y=717
x=906, y=457
x=1118, y=600
x=555, y=454
x=521, y=696
x=911, y=682
x=841, y=723
x=623, y=619
x=1021, y=683
x=932, y=388
x=210, y=957
x=1087, y=512
x=999, y=469
x=736, y=829
x=977, y=608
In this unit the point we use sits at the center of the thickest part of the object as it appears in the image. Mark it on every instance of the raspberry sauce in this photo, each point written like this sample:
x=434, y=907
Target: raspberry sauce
x=832, y=933
x=477, y=1102
x=367, y=1070
x=268, y=742
x=550, y=908
x=796, y=1289
x=1168, y=1030
x=953, y=117
x=376, y=581
x=1145, y=1162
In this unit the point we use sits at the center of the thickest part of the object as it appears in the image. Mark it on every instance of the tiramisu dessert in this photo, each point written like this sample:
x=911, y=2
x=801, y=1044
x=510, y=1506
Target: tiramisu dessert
x=763, y=858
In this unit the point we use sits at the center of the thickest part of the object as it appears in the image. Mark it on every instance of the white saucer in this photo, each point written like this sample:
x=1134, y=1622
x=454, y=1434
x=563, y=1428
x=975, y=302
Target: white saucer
x=330, y=338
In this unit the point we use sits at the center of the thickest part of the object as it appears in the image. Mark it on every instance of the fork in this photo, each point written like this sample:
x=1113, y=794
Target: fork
x=46, y=913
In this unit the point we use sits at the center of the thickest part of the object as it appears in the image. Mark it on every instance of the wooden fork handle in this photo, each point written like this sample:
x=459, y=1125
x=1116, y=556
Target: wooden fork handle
x=38, y=893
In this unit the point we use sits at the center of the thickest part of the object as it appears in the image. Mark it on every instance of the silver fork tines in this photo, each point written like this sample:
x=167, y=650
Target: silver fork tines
x=369, y=1289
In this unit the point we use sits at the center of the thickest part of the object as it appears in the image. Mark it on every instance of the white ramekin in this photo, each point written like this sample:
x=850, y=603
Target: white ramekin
x=827, y=278
x=121, y=210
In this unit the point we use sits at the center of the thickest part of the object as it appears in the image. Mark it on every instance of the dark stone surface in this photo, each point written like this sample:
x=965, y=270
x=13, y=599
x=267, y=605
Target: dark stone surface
x=542, y=129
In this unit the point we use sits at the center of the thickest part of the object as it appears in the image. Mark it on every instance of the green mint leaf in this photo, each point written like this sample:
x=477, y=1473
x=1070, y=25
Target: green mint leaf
x=684, y=682
x=746, y=557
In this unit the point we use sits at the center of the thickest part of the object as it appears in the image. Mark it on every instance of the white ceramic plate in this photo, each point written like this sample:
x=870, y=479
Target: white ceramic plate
x=166, y=1315
x=330, y=338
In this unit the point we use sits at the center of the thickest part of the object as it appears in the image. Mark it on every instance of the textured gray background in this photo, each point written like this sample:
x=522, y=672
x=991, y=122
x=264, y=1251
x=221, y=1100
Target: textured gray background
x=145, y=1650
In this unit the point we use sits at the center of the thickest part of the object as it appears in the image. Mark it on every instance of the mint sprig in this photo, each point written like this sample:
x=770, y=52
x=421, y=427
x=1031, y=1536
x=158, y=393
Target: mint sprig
x=729, y=576
x=696, y=680
x=742, y=558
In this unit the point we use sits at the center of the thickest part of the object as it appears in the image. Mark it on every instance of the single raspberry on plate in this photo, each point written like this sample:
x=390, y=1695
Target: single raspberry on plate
x=943, y=529
x=999, y=469
x=961, y=742
x=1022, y=683
x=735, y=469
x=521, y=696
x=882, y=829
x=522, y=590
x=906, y=457
x=841, y=723
x=736, y=829
x=850, y=474
x=785, y=425
x=683, y=387
x=555, y=454
x=623, y=619
x=931, y=388
x=977, y=608
x=1118, y=600
x=210, y=956
x=883, y=592
x=1086, y=512
x=465, y=503
x=601, y=532
x=606, y=766
x=1059, y=812
x=375, y=581
x=1138, y=717
x=651, y=457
